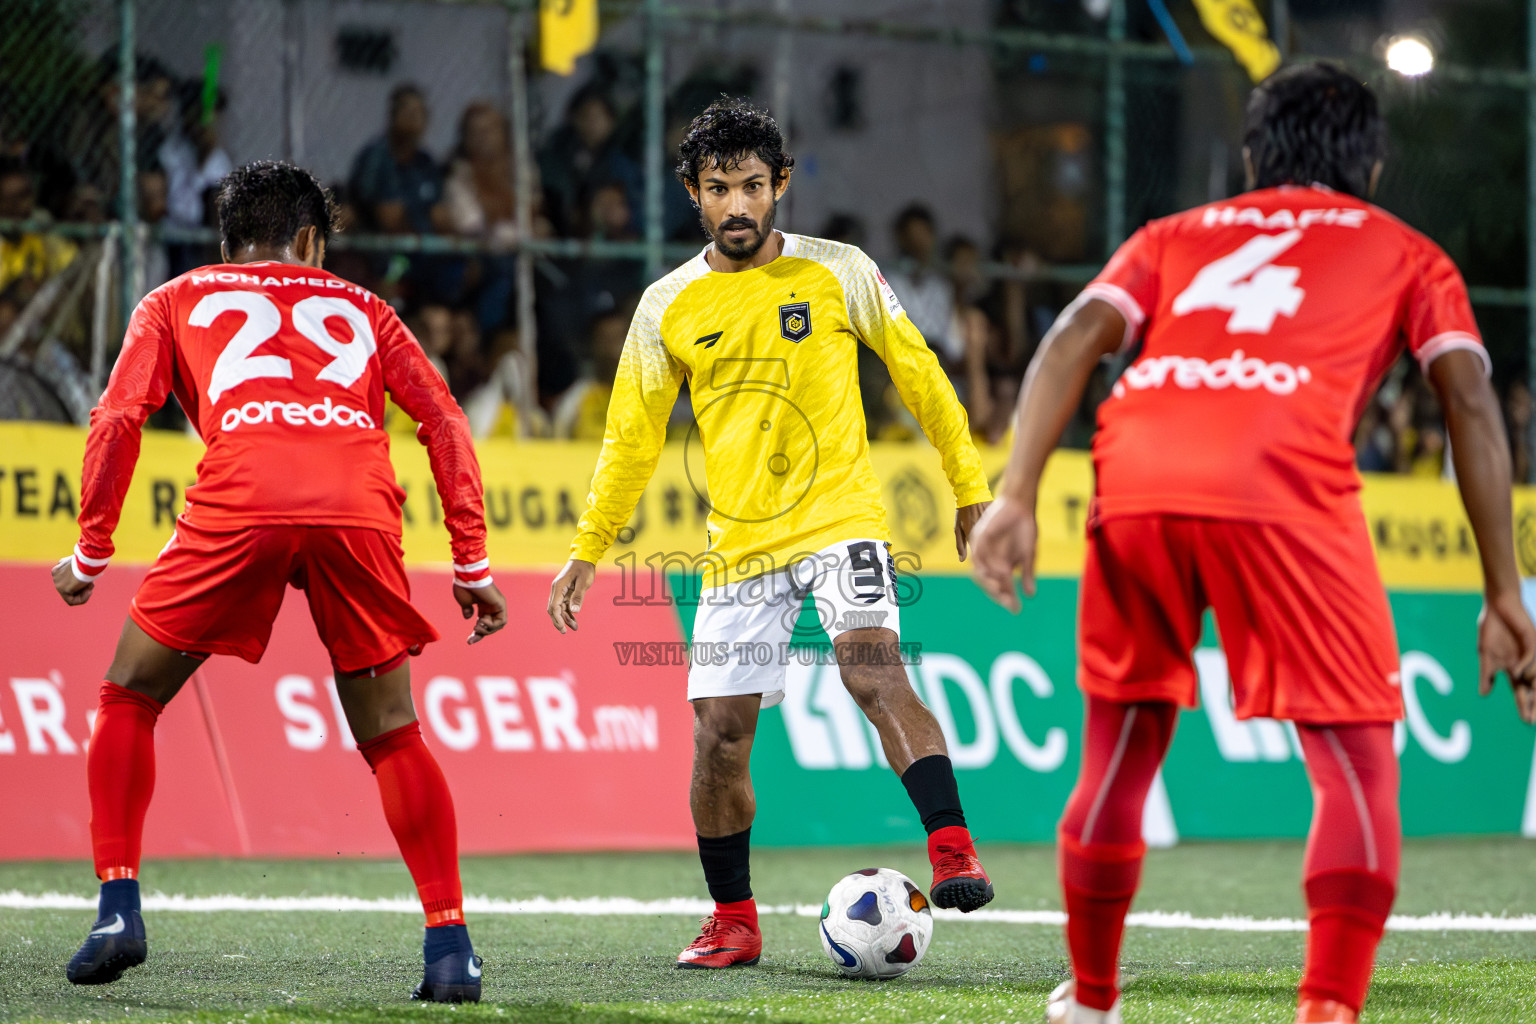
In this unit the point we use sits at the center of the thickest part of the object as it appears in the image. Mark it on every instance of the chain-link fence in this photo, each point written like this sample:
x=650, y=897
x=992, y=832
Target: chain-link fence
x=990, y=153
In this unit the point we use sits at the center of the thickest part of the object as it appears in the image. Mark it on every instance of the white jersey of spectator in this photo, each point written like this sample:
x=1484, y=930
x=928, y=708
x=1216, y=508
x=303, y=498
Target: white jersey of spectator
x=568, y=410
x=929, y=299
x=187, y=179
x=509, y=387
x=466, y=214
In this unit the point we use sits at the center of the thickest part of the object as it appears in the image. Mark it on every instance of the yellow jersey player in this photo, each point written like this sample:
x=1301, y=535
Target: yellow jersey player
x=765, y=327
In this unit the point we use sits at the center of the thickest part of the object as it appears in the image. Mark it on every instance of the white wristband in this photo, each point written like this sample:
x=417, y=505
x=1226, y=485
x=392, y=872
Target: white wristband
x=78, y=562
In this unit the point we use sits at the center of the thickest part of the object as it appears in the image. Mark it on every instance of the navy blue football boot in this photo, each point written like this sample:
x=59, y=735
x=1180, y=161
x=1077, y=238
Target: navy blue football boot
x=116, y=942
x=452, y=969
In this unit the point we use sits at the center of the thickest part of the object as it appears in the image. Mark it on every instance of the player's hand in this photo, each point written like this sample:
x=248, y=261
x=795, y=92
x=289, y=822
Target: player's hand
x=965, y=521
x=68, y=584
x=567, y=591
x=490, y=604
x=1506, y=642
x=1001, y=543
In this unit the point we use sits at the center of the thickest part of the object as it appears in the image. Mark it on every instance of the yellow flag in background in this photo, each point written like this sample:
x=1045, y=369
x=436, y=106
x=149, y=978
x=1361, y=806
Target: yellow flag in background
x=567, y=29
x=1239, y=26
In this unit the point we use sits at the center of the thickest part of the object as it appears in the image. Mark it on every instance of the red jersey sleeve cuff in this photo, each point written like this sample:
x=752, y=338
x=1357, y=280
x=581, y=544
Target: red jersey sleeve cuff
x=1450, y=341
x=1122, y=300
x=473, y=575
x=86, y=568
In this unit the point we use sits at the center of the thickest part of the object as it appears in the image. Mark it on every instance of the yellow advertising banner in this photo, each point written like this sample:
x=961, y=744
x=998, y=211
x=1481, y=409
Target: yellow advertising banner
x=535, y=492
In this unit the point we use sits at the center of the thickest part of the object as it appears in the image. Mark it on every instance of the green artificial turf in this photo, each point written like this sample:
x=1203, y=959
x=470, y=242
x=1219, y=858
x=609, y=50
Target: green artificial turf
x=276, y=967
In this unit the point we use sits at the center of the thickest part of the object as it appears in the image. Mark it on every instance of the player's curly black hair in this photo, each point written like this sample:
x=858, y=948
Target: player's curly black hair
x=728, y=132
x=1314, y=123
x=267, y=202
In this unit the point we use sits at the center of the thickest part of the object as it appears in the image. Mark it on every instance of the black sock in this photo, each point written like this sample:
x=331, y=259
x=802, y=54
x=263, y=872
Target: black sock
x=117, y=897
x=726, y=868
x=930, y=782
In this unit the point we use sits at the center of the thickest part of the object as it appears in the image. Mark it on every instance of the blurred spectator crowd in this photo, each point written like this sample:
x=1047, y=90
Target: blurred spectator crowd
x=1401, y=429
x=461, y=301
x=72, y=172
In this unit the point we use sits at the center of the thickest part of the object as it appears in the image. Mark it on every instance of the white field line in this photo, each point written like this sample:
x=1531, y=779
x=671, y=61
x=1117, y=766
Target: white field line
x=626, y=907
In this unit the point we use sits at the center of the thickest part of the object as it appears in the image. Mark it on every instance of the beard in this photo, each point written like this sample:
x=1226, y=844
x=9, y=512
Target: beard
x=748, y=248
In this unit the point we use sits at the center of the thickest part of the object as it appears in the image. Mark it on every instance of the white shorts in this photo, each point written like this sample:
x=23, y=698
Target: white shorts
x=743, y=632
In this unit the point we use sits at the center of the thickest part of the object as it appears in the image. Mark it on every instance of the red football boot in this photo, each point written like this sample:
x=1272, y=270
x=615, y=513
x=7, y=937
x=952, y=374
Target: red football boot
x=1324, y=1011
x=723, y=942
x=958, y=878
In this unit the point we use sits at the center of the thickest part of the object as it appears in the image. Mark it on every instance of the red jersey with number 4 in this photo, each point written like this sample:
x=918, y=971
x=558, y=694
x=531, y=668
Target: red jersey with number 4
x=1268, y=320
x=282, y=370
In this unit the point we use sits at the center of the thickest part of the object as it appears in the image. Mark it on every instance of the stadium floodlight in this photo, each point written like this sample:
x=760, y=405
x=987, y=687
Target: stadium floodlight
x=1410, y=56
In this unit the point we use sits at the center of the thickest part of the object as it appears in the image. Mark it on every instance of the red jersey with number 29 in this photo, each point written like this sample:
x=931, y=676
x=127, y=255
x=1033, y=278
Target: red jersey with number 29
x=282, y=370
x=1268, y=321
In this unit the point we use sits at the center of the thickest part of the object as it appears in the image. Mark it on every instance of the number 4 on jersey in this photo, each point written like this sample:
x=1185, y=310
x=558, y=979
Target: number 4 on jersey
x=1247, y=284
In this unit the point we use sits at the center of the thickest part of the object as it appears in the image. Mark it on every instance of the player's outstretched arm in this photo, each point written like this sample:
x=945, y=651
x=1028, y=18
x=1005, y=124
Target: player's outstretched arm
x=442, y=428
x=141, y=381
x=644, y=391
x=1506, y=638
x=1003, y=542
x=929, y=396
x=567, y=592
x=883, y=325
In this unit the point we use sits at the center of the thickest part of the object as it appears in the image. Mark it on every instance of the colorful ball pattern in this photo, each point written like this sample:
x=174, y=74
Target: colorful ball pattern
x=876, y=923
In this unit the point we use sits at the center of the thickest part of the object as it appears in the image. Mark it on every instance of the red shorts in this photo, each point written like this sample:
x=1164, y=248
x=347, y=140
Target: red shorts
x=1300, y=609
x=218, y=592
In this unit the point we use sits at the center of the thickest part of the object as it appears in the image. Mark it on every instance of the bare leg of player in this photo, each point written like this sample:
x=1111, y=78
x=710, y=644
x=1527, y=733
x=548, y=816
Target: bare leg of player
x=723, y=805
x=419, y=809
x=720, y=794
x=120, y=770
x=870, y=661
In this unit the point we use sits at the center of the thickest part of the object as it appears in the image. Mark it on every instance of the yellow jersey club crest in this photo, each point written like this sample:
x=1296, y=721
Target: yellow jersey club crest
x=795, y=321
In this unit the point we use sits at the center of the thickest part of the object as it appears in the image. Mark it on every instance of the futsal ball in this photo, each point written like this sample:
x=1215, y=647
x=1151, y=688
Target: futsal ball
x=876, y=924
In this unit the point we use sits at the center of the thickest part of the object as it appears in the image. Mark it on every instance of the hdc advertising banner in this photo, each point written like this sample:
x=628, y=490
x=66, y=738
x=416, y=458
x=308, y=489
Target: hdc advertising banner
x=584, y=741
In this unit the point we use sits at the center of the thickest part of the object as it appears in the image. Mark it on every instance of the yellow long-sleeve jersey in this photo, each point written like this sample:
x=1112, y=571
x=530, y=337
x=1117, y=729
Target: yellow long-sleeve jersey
x=779, y=450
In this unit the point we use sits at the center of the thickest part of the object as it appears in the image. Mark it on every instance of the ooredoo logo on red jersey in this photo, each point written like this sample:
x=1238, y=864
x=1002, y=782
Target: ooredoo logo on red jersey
x=1239, y=370
x=296, y=414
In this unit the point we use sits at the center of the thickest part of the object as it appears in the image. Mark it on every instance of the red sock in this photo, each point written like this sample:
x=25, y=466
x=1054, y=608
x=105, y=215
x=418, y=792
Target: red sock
x=1100, y=837
x=1347, y=912
x=419, y=810
x=120, y=773
x=740, y=912
x=1353, y=855
x=1097, y=884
